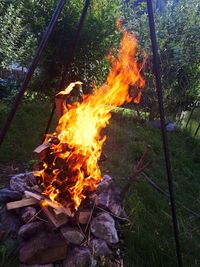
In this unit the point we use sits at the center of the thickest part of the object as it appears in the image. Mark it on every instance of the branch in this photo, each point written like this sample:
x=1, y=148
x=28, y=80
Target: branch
x=139, y=168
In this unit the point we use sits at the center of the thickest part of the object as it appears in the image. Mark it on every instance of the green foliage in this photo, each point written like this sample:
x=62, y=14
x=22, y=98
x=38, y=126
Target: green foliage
x=23, y=24
x=17, y=44
x=97, y=36
x=178, y=35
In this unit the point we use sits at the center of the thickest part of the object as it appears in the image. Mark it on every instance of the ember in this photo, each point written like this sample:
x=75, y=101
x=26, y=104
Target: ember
x=71, y=166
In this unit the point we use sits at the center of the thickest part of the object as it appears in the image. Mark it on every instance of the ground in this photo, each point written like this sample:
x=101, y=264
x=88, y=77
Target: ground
x=148, y=240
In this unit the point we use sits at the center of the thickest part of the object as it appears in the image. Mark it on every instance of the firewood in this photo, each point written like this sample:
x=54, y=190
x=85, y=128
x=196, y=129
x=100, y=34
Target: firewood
x=57, y=212
x=41, y=151
x=47, y=201
x=60, y=105
x=21, y=203
x=57, y=222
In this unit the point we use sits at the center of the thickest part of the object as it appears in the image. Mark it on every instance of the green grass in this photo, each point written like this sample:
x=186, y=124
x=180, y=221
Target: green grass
x=148, y=240
x=26, y=131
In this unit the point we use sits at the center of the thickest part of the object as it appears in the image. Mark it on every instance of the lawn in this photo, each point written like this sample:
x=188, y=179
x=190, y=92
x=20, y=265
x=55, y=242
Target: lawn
x=148, y=239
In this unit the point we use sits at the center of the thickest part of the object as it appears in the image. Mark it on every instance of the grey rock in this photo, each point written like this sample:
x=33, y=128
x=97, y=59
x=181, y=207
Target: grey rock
x=78, y=257
x=42, y=249
x=84, y=216
x=30, y=229
x=22, y=182
x=99, y=247
x=103, y=185
x=110, y=199
x=10, y=220
x=72, y=235
x=103, y=199
x=37, y=265
x=115, y=202
x=7, y=195
x=103, y=226
x=28, y=214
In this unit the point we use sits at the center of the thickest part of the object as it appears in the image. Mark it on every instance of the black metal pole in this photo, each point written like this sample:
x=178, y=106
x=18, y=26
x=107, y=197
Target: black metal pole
x=157, y=73
x=69, y=59
x=190, y=116
x=74, y=43
x=32, y=68
x=196, y=132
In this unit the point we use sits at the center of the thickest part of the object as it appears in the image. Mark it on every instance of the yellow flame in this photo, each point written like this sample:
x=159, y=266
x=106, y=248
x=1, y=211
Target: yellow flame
x=81, y=124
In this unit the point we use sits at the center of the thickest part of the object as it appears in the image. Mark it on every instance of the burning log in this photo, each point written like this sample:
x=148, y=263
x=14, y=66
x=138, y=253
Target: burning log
x=56, y=221
x=64, y=95
x=47, y=201
x=42, y=151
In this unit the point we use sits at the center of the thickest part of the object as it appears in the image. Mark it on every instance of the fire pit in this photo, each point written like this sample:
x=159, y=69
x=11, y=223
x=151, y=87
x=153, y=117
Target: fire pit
x=70, y=211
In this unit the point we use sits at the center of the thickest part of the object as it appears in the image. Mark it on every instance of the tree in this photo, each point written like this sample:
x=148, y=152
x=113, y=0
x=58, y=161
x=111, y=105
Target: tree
x=178, y=35
x=16, y=44
x=97, y=36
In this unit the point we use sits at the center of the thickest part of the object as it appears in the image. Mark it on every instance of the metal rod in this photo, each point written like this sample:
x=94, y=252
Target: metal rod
x=49, y=121
x=69, y=59
x=32, y=68
x=74, y=43
x=190, y=116
x=197, y=130
x=157, y=74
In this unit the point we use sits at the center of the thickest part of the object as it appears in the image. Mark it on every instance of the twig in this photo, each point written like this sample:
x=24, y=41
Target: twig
x=141, y=165
x=78, y=224
x=50, y=203
x=88, y=241
x=120, y=218
x=41, y=219
x=34, y=216
x=90, y=217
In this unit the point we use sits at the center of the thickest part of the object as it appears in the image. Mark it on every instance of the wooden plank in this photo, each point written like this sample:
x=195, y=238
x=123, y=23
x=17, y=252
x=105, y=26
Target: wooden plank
x=57, y=222
x=47, y=201
x=50, y=216
x=42, y=151
x=21, y=203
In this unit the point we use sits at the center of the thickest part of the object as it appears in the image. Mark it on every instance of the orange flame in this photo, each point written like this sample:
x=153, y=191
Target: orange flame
x=74, y=169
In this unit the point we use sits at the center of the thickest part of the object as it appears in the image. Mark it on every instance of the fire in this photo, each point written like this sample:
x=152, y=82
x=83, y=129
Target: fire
x=71, y=170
